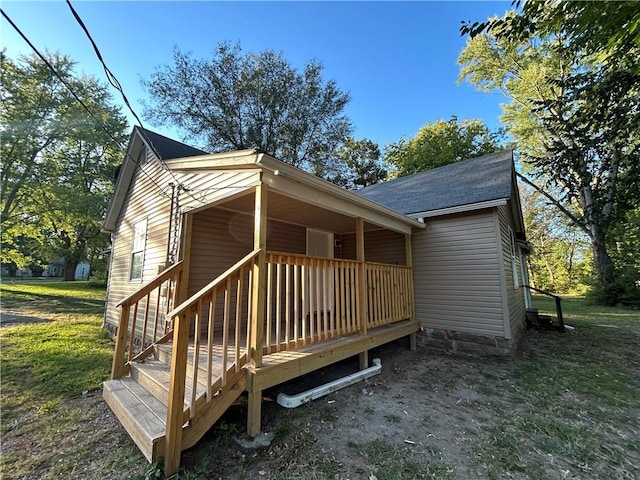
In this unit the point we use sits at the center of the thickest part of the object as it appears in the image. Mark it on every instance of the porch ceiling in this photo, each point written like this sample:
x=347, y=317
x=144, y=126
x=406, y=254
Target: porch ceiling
x=290, y=210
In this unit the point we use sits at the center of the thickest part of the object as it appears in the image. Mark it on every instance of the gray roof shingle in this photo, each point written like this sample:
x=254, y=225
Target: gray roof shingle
x=168, y=148
x=468, y=182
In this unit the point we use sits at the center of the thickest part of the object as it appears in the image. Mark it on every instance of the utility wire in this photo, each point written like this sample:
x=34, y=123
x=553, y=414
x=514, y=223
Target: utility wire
x=77, y=98
x=116, y=84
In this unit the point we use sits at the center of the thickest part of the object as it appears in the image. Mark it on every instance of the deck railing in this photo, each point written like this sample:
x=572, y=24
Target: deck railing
x=389, y=293
x=215, y=322
x=309, y=299
x=144, y=320
x=312, y=299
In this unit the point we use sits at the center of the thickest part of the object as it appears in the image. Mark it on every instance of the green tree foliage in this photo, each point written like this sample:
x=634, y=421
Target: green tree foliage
x=239, y=100
x=359, y=165
x=441, y=143
x=58, y=162
x=574, y=117
x=560, y=262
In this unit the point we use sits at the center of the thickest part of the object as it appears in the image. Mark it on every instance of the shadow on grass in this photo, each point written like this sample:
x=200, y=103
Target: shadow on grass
x=26, y=298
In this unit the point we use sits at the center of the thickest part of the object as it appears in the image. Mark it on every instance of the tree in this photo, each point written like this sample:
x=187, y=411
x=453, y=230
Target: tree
x=560, y=262
x=240, y=100
x=58, y=162
x=441, y=143
x=359, y=165
x=609, y=30
x=575, y=119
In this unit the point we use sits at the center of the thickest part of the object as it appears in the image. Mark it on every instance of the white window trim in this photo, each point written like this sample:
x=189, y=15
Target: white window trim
x=138, y=246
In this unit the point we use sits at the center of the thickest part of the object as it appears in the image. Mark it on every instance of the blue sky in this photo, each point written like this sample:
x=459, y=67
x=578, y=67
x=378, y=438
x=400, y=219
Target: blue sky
x=396, y=59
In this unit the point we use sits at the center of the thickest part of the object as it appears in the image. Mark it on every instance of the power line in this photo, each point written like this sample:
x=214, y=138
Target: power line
x=116, y=84
x=77, y=98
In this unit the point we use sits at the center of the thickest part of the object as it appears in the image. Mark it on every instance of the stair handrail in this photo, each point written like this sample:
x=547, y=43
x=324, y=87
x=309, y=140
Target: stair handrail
x=118, y=368
x=178, y=367
x=207, y=289
x=154, y=283
x=558, y=301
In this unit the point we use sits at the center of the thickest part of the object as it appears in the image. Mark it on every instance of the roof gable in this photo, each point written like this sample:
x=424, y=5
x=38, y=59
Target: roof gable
x=165, y=147
x=478, y=180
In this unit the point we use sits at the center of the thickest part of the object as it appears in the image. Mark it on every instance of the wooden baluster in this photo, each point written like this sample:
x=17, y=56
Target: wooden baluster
x=210, y=339
x=288, y=300
x=225, y=330
x=132, y=337
x=145, y=322
x=296, y=305
x=268, y=333
x=238, y=318
x=196, y=357
x=279, y=301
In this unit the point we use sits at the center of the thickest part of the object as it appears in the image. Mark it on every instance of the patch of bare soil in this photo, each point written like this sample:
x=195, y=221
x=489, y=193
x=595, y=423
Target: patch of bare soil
x=425, y=416
x=425, y=409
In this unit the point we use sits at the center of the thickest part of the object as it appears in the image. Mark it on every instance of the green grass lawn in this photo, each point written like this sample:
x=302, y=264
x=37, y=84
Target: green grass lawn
x=569, y=402
x=572, y=397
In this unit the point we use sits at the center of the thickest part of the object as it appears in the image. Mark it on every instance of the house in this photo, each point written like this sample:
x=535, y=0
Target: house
x=234, y=272
x=469, y=263
x=56, y=269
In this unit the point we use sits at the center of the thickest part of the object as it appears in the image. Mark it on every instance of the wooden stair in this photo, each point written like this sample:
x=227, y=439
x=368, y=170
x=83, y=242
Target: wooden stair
x=140, y=400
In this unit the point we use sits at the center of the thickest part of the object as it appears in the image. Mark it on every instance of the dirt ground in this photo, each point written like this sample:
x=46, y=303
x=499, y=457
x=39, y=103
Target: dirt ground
x=424, y=416
x=424, y=408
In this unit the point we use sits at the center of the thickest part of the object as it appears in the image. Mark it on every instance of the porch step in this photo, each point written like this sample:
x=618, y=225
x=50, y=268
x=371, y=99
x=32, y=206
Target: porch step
x=140, y=412
x=163, y=352
x=154, y=375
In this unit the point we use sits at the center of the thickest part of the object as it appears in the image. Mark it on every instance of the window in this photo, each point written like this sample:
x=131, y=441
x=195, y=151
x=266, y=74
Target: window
x=137, y=249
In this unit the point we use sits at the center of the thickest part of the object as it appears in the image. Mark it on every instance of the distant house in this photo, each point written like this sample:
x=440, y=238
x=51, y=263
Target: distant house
x=56, y=269
x=235, y=272
x=469, y=263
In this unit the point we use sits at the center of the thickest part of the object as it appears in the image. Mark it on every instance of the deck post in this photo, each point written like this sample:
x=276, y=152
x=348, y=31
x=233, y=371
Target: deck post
x=362, y=288
x=175, y=407
x=183, y=288
x=409, y=260
x=117, y=369
x=258, y=295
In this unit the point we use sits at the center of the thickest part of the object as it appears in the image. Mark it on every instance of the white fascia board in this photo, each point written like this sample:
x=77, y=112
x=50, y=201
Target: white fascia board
x=283, y=170
x=216, y=161
x=122, y=183
x=459, y=208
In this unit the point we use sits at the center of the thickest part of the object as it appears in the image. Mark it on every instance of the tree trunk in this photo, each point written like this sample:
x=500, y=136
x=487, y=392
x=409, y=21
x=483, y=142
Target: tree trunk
x=70, y=270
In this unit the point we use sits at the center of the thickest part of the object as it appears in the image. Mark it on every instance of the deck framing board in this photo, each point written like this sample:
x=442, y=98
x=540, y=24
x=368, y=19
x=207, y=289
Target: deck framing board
x=286, y=365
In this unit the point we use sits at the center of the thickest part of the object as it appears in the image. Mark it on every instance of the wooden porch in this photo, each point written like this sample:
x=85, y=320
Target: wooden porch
x=315, y=311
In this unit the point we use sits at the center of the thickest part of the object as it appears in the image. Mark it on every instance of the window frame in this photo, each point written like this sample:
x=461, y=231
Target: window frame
x=138, y=250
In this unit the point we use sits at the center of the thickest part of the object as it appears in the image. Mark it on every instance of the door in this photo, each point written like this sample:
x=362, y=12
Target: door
x=318, y=296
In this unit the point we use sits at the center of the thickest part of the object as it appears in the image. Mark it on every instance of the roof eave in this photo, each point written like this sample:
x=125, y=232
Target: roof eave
x=459, y=208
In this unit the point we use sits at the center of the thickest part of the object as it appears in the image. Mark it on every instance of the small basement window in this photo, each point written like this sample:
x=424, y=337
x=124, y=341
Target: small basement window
x=137, y=250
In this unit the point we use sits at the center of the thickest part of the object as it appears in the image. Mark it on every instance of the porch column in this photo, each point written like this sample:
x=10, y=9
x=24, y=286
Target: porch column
x=255, y=333
x=412, y=303
x=185, y=255
x=362, y=288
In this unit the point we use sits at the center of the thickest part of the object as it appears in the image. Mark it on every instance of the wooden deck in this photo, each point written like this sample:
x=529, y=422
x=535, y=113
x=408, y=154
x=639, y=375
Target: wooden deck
x=179, y=363
x=140, y=401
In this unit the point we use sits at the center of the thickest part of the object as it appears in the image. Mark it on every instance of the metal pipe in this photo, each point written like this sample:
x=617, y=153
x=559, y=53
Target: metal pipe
x=293, y=401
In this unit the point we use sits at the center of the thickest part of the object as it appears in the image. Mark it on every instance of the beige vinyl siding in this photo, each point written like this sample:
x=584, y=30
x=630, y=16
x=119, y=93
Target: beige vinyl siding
x=382, y=246
x=145, y=199
x=456, y=275
x=221, y=237
x=149, y=202
x=514, y=295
